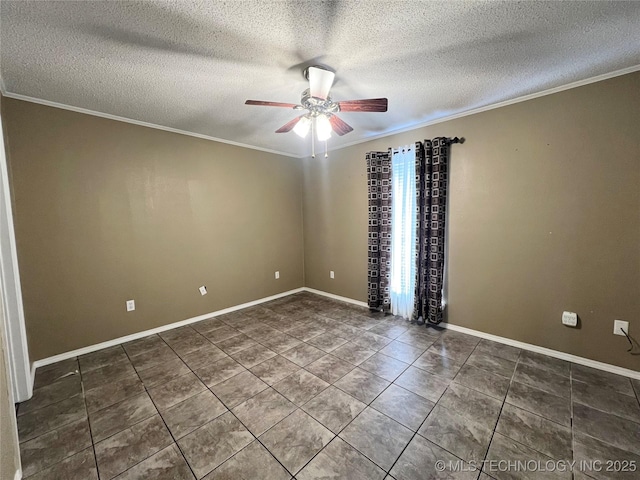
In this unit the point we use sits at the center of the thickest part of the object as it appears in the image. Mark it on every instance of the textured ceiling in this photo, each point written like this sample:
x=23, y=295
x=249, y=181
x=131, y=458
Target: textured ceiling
x=191, y=65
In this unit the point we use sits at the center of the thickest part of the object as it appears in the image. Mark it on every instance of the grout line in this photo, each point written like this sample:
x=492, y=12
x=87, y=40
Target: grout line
x=421, y=424
x=335, y=435
x=571, y=414
x=434, y=406
x=84, y=399
x=47, y=406
x=493, y=433
x=260, y=442
x=229, y=410
x=368, y=405
x=157, y=413
x=175, y=440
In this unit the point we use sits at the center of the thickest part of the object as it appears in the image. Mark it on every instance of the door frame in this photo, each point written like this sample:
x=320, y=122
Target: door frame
x=18, y=350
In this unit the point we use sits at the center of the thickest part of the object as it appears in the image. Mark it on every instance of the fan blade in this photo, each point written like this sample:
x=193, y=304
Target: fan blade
x=320, y=82
x=270, y=104
x=367, y=105
x=287, y=127
x=340, y=126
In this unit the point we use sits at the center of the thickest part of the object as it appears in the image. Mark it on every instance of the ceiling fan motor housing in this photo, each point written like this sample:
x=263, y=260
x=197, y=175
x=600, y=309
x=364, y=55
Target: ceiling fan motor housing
x=318, y=106
x=305, y=72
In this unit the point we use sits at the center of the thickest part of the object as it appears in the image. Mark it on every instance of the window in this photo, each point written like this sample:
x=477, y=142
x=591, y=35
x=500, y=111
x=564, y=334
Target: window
x=403, y=231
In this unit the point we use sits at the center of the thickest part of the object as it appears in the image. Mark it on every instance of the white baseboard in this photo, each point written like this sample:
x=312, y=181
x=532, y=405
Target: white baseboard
x=587, y=362
x=164, y=328
x=336, y=297
x=18, y=475
x=514, y=343
x=33, y=373
x=507, y=341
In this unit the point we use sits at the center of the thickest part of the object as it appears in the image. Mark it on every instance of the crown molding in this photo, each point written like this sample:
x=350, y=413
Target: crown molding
x=493, y=106
x=141, y=123
x=466, y=113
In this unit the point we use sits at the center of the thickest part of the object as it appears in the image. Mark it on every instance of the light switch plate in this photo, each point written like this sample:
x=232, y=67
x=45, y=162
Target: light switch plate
x=203, y=290
x=131, y=305
x=277, y=275
x=331, y=274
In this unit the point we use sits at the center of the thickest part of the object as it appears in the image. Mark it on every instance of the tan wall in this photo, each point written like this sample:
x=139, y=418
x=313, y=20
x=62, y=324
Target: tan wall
x=107, y=211
x=544, y=216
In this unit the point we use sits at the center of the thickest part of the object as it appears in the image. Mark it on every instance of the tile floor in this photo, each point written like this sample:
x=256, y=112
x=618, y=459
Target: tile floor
x=307, y=387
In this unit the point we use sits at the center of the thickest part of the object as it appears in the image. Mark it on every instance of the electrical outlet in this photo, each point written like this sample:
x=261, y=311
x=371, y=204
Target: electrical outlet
x=203, y=290
x=131, y=305
x=570, y=319
x=331, y=274
x=618, y=324
x=277, y=275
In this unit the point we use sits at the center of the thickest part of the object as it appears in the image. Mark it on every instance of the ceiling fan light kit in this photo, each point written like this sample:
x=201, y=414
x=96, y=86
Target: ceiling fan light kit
x=323, y=128
x=302, y=127
x=321, y=116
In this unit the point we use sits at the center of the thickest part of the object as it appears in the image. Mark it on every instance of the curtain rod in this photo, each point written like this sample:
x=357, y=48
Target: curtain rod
x=453, y=140
x=419, y=144
x=449, y=140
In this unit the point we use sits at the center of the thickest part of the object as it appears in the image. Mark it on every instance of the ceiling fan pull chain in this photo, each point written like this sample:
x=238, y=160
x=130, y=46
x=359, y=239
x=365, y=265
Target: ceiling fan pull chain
x=313, y=139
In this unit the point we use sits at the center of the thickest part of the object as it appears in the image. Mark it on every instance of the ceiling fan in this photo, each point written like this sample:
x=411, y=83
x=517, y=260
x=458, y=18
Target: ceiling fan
x=321, y=116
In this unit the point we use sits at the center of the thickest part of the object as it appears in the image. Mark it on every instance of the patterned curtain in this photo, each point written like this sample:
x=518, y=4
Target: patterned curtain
x=421, y=220
x=379, y=268
x=432, y=163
